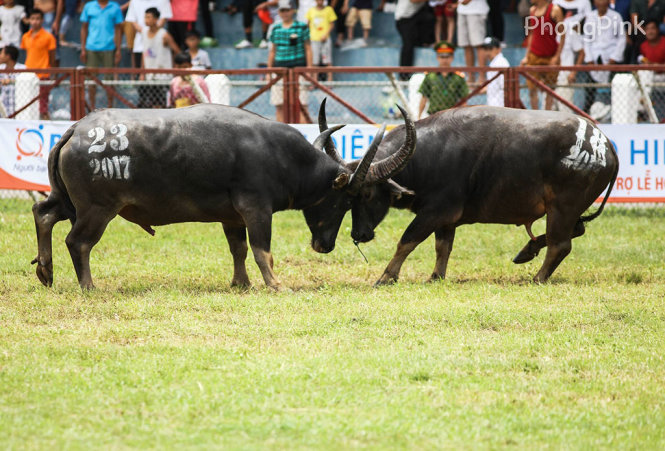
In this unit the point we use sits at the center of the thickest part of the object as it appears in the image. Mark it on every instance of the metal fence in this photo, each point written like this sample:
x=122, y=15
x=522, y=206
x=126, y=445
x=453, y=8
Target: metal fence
x=618, y=94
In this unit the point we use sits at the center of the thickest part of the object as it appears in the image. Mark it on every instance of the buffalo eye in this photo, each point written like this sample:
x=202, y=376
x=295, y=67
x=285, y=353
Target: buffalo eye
x=341, y=181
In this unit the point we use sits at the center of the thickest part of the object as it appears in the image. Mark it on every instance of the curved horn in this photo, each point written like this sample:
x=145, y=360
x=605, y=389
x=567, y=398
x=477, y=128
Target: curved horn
x=389, y=166
x=323, y=126
x=325, y=136
x=358, y=177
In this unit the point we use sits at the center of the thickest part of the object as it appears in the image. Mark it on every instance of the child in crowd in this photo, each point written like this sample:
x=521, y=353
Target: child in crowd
x=492, y=51
x=442, y=90
x=321, y=20
x=158, y=50
x=11, y=16
x=199, y=58
x=8, y=58
x=186, y=90
x=354, y=10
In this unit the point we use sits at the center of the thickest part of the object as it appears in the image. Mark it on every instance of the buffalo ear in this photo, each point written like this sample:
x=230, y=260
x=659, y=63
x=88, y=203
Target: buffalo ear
x=398, y=192
x=341, y=181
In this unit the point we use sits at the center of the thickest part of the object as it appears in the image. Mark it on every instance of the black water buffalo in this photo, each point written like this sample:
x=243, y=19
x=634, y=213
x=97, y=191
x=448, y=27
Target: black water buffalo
x=205, y=163
x=492, y=165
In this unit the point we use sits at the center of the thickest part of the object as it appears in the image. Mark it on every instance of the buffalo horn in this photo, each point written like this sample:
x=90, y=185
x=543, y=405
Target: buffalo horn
x=391, y=165
x=360, y=173
x=323, y=126
x=325, y=136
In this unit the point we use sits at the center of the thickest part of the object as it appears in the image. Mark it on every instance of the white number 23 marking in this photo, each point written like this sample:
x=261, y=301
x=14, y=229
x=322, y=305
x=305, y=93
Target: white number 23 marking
x=119, y=143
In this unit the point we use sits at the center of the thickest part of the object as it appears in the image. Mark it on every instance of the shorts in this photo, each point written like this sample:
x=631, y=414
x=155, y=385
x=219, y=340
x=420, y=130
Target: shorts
x=365, y=16
x=100, y=59
x=549, y=78
x=322, y=52
x=445, y=9
x=277, y=93
x=471, y=29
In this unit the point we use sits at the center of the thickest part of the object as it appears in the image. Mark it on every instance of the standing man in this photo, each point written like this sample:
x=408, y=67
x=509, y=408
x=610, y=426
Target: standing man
x=39, y=46
x=542, y=48
x=290, y=47
x=495, y=93
x=411, y=19
x=471, y=31
x=604, y=43
x=101, y=36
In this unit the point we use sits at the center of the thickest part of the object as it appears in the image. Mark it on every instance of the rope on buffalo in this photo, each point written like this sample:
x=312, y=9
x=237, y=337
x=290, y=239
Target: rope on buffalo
x=361, y=252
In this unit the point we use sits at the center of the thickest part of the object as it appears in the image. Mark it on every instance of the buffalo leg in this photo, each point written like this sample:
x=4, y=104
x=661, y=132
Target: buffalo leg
x=533, y=247
x=444, y=246
x=237, y=238
x=259, y=238
x=420, y=228
x=46, y=213
x=85, y=233
x=559, y=236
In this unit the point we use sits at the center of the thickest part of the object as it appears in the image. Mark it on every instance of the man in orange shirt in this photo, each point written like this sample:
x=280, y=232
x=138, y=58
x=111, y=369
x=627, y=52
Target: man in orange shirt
x=39, y=45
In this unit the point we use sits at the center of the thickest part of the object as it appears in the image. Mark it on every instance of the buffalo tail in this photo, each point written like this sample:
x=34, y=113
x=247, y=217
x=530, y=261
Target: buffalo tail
x=58, y=189
x=593, y=216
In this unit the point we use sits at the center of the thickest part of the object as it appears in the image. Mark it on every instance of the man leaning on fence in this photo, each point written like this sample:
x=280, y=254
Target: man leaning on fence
x=39, y=46
x=442, y=90
x=8, y=58
x=101, y=37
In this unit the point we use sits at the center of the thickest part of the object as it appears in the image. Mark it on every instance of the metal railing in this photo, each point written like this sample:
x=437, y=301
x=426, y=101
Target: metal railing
x=366, y=94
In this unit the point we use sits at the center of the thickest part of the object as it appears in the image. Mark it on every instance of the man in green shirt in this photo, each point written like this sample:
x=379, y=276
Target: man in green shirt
x=442, y=90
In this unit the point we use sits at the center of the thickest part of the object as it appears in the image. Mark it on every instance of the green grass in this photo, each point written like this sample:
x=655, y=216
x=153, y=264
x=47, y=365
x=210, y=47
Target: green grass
x=165, y=354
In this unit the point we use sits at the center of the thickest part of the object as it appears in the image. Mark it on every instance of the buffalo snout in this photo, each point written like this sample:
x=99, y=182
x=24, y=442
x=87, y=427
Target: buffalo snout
x=322, y=247
x=362, y=237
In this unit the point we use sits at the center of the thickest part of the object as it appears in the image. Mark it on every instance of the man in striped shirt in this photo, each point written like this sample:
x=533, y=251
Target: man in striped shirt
x=290, y=47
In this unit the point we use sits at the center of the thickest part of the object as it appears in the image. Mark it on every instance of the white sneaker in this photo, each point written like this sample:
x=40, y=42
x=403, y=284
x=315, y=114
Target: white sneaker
x=263, y=44
x=244, y=44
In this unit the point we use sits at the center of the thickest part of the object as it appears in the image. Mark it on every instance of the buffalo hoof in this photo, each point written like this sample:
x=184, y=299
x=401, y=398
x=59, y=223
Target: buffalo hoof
x=44, y=272
x=278, y=288
x=241, y=284
x=436, y=277
x=87, y=286
x=524, y=256
x=386, y=279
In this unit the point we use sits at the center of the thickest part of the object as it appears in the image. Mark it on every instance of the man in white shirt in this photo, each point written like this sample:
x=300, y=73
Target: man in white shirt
x=492, y=49
x=574, y=11
x=136, y=15
x=604, y=43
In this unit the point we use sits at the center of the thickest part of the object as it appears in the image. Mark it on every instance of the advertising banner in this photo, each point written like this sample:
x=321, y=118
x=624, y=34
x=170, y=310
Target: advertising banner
x=24, y=152
x=641, y=149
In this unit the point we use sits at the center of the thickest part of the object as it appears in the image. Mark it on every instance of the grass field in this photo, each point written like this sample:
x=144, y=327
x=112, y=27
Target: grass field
x=165, y=354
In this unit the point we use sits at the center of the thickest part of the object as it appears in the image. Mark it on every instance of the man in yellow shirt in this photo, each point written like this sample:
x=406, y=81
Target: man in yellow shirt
x=321, y=20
